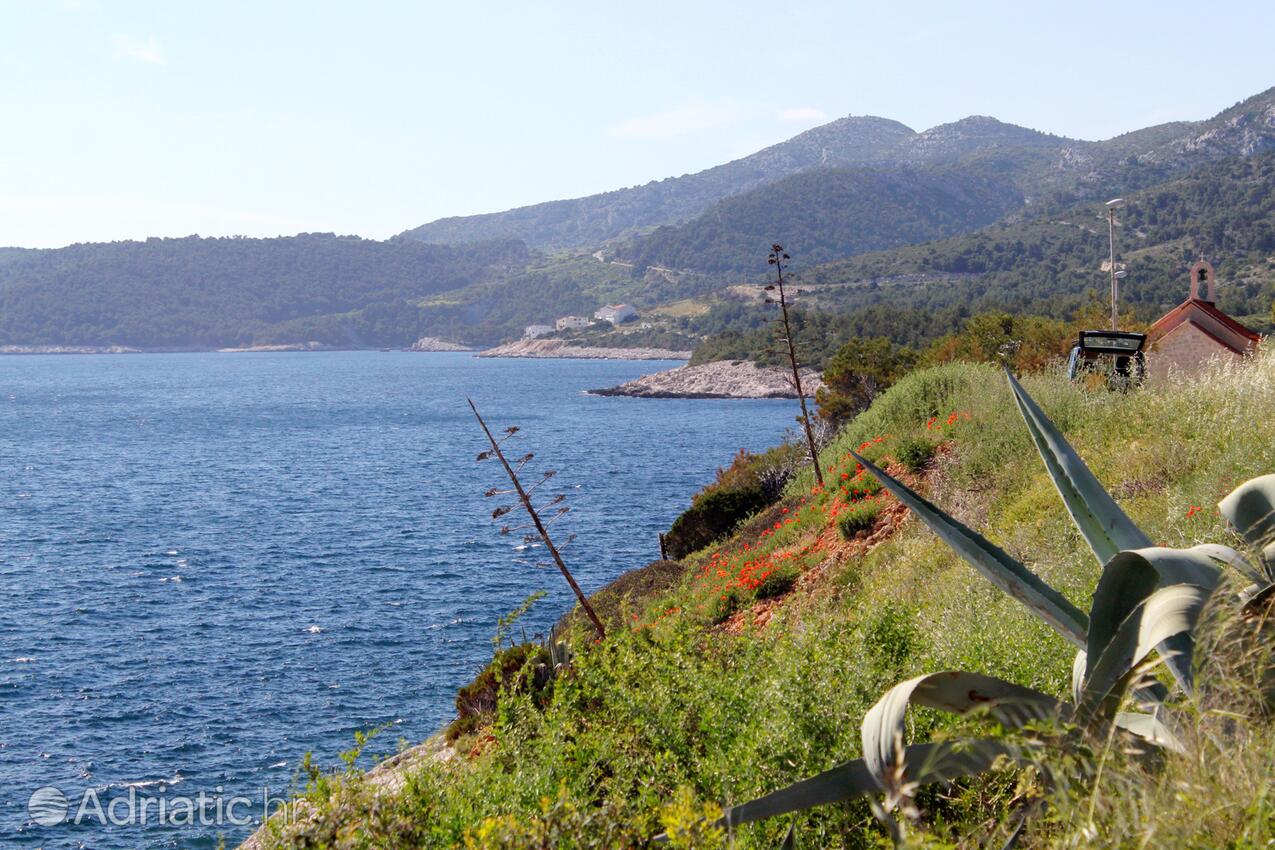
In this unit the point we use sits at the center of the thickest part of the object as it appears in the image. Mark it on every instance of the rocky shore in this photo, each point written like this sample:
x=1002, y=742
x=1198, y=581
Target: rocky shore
x=68, y=349
x=281, y=346
x=557, y=348
x=431, y=343
x=723, y=379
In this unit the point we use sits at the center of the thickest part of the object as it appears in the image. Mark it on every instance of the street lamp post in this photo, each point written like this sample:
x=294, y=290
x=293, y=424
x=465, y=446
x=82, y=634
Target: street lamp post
x=1112, y=206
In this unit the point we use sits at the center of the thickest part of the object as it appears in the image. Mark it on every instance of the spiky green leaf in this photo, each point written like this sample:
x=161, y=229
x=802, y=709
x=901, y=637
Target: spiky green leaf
x=1149, y=727
x=993, y=562
x=954, y=691
x=1227, y=555
x=1078, y=666
x=1128, y=579
x=1104, y=526
x=1250, y=507
x=930, y=762
x=1167, y=613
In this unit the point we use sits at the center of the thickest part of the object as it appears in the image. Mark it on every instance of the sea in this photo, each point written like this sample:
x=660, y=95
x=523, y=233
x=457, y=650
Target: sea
x=213, y=564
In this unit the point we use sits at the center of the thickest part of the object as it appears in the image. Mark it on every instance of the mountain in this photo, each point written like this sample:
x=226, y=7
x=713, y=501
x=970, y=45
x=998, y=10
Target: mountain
x=1049, y=263
x=845, y=143
x=596, y=218
x=969, y=213
x=829, y=213
x=1041, y=164
x=208, y=293
x=948, y=142
x=954, y=178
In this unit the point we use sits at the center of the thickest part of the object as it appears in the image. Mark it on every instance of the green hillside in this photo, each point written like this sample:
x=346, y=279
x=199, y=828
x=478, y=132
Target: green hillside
x=829, y=213
x=202, y=293
x=581, y=222
x=1048, y=264
x=692, y=702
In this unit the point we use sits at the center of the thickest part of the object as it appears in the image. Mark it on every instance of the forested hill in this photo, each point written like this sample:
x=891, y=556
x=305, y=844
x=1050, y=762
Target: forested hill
x=1049, y=263
x=830, y=213
x=207, y=293
x=593, y=219
x=1040, y=164
x=853, y=186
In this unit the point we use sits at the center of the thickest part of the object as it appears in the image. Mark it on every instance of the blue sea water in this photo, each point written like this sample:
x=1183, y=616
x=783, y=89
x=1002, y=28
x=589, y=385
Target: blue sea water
x=211, y=564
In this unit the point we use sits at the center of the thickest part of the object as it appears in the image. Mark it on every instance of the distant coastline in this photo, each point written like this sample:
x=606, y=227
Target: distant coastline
x=69, y=349
x=532, y=349
x=559, y=349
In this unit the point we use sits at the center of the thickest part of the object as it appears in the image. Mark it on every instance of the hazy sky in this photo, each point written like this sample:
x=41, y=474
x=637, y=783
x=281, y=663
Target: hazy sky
x=123, y=118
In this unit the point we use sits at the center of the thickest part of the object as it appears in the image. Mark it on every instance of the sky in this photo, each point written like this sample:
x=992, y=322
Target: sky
x=123, y=119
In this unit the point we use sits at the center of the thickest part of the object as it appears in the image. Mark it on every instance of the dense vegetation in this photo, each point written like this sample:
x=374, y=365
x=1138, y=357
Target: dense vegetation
x=193, y=292
x=1039, y=164
x=664, y=722
x=1047, y=264
x=588, y=221
x=830, y=213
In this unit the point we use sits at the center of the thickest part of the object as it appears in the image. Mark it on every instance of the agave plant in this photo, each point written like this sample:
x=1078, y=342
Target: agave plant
x=1146, y=605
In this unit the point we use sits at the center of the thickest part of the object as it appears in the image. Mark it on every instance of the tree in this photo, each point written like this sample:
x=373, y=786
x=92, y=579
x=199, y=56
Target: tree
x=860, y=370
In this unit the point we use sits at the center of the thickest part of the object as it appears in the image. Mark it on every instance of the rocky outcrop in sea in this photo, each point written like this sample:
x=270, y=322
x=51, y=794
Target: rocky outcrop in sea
x=430, y=343
x=722, y=379
x=554, y=348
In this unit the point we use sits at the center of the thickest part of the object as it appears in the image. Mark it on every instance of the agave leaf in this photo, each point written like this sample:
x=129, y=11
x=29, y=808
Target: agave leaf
x=1104, y=526
x=930, y=762
x=1227, y=555
x=1078, y=667
x=953, y=691
x=993, y=562
x=1257, y=600
x=1149, y=728
x=1250, y=507
x=843, y=782
x=1128, y=579
x=1168, y=612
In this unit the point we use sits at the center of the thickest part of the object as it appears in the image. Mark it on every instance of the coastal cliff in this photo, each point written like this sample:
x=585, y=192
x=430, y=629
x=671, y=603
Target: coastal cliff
x=722, y=379
x=555, y=348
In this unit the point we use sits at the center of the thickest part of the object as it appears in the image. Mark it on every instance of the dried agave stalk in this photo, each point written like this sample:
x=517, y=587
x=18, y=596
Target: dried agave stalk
x=776, y=259
x=524, y=496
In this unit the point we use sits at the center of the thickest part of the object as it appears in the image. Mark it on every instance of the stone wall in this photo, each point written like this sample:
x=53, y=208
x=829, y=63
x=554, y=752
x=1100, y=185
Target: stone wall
x=1186, y=349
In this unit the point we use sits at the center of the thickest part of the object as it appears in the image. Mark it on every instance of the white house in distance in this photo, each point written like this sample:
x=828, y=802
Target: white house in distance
x=571, y=323
x=616, y=313
x=534, y=331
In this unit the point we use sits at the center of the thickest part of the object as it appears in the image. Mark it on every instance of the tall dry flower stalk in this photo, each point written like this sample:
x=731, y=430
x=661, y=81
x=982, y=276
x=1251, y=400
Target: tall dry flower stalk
x=777, y=258
x=524, y=496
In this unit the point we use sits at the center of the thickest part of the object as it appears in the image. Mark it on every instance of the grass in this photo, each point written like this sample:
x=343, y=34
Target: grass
x=858, y=517
x=670, y=716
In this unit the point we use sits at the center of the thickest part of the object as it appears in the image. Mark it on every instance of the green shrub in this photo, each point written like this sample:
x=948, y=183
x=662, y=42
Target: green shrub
x=914, y=453
x=519, y=669
x=629, y=592
x=862, y=486
x=724, y=606
x=712, y=516
x=777, y=583
x=858, y=517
